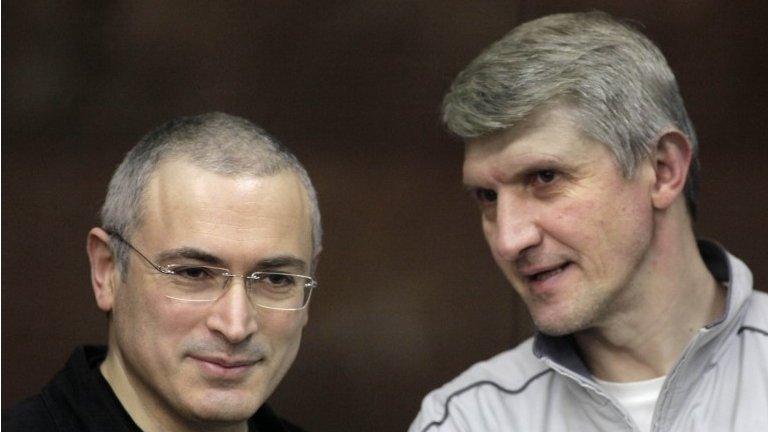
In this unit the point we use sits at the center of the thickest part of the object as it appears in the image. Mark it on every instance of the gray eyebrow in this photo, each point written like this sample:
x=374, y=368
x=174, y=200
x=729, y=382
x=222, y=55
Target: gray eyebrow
x=281, y=261
x=190, y=253
x=266, y=264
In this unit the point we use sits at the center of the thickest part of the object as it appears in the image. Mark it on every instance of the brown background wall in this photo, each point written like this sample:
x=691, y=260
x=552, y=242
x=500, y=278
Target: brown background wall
x=409, y=294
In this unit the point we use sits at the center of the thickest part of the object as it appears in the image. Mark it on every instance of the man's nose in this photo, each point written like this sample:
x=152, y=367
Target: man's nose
x=233, y=315
x=515, y=228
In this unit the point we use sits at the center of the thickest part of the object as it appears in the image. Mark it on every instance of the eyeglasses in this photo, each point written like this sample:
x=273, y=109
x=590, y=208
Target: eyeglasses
x=199, y=283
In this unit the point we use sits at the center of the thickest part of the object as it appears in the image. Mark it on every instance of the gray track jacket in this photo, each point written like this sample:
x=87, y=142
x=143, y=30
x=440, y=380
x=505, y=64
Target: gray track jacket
x=719, y=383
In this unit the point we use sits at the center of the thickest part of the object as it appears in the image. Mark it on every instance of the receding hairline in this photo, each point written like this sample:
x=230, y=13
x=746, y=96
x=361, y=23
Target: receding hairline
x=183, y=159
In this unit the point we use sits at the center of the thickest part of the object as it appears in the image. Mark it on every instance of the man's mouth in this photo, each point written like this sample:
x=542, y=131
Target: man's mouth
x=226, y=368
x=543, y=273
x=546, y=274
x=231, y=364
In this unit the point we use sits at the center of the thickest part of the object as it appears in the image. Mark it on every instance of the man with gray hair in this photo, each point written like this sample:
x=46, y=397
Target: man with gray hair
x=583, y=163
x=204, y=265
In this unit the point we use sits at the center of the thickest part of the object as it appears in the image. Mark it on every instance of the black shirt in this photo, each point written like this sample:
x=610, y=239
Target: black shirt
x=78, y=398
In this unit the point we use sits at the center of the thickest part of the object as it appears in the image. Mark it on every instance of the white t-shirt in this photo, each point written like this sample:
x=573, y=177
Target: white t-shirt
x=638, y=398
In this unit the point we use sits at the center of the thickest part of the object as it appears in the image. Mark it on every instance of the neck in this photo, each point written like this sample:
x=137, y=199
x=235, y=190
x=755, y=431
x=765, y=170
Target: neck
x=673, y=296
x=147, y=410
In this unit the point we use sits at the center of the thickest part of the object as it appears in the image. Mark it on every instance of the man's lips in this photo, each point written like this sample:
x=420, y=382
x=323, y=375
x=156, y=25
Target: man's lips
x=227, y=363
x=225, y=367
x=542, y=273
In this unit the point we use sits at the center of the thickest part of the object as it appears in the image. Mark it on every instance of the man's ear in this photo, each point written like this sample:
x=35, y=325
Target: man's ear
x=103, y=268
x=671, y=160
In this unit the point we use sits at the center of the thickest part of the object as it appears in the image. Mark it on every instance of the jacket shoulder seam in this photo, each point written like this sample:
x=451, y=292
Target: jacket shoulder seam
x=752, y=329
x=498, y=386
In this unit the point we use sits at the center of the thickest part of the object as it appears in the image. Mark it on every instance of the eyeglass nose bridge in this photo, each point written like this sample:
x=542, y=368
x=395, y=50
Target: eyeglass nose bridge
x=248, y=281
x=227, y=276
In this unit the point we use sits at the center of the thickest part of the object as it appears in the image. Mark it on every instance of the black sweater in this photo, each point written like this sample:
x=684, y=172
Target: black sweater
x=78, y=399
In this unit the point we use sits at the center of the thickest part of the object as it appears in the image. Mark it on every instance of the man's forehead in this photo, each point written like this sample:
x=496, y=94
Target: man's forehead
x=177, y=175
x=182, y=197
x=552, y=136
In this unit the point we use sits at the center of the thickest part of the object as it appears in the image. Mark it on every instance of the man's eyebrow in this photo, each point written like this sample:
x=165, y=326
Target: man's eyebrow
x=190, y=253
x=272, y=263
x=281, y=261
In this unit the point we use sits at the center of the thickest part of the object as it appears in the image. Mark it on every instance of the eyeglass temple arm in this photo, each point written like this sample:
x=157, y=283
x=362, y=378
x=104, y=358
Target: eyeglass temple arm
x=120, y=238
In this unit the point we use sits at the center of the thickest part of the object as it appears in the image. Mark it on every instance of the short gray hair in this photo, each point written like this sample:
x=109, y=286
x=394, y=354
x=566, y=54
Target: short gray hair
x=618, y=81
x=218, y=142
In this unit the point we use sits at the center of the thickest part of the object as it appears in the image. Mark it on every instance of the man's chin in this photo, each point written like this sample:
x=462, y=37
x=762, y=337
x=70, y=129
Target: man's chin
x=557, y=325
x=559, y=317
x=553, y=331
x=223, y=409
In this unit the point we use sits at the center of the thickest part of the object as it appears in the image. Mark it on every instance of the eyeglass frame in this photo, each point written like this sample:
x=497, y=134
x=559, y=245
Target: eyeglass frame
x=311, y=282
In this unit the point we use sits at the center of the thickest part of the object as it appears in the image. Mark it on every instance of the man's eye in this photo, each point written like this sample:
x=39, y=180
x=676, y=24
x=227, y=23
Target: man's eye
x=485, y=195
x=279, y=279
x=194, y=273
x=545, y=176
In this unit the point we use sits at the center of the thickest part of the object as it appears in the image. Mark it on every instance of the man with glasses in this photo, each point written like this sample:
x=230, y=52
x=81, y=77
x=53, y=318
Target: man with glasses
x=582, y=161
x=203, y=263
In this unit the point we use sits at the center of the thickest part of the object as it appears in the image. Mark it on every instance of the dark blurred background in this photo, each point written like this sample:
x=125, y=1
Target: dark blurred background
x=410, y=296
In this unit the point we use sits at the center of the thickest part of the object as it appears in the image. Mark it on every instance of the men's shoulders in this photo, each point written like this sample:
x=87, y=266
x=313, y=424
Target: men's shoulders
x=77, y=398
x=756, y=318
x=758, y=306
x=29, y=415
x=485, y=393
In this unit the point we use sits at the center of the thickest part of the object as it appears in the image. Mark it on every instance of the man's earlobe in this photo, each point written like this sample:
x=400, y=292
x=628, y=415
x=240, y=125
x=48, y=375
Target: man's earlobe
x=671, y=160
x=103, y=268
